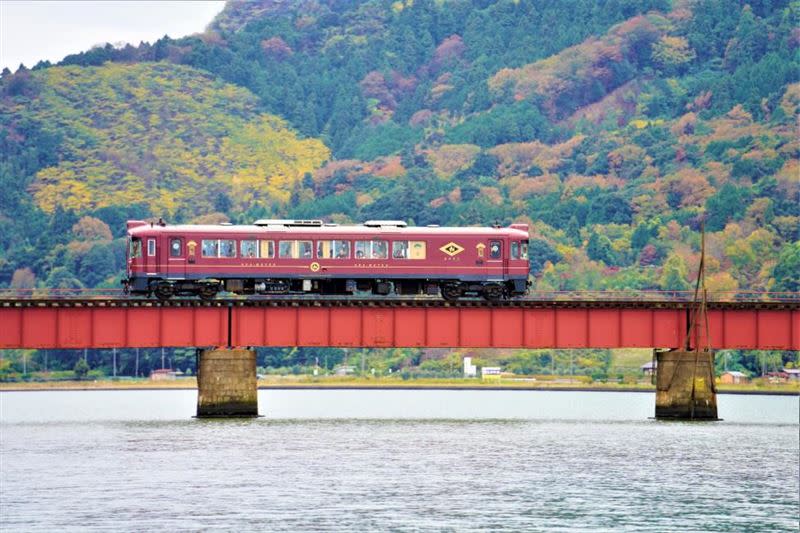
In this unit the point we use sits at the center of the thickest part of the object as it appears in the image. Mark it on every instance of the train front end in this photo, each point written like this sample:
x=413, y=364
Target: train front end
x=136, y=279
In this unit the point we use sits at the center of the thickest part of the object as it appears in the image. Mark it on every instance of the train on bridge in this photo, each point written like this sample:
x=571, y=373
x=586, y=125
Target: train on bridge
x=311, y=257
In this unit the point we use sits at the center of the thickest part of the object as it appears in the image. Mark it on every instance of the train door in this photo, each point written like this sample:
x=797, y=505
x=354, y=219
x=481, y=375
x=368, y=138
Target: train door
x=151, y=258
x=496, y=264
x=176, y=262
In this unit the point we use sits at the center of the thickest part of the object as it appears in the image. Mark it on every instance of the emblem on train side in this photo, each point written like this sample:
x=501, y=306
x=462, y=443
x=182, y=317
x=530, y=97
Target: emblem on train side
x=452, y=248
x=314, y=267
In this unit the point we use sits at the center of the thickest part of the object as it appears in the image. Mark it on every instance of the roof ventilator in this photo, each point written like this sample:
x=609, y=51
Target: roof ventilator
x=386, y=224
x=280, y=222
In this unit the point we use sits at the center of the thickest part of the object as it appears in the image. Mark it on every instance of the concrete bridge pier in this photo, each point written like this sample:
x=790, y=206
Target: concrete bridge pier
x=226, y=383
x=685, y=388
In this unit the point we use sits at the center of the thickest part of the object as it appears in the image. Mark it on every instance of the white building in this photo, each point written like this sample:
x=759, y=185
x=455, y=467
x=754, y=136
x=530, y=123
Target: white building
x=470, y=370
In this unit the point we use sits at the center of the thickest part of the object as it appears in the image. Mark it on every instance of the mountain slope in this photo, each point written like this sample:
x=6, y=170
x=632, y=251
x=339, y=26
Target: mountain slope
x=615, y=128
x=166, y=135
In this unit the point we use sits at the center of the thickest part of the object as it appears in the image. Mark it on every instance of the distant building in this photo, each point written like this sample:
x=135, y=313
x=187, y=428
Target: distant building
x=163, y=374
x=792, y=373
x=470, y=370
x=649, y=368
x=343, y=370
x=490, y=372
x=777, y=377
x=733, y=377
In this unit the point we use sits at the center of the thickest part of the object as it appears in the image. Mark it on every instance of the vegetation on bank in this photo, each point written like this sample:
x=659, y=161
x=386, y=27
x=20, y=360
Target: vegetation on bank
x=623, y=366
x=354, y=382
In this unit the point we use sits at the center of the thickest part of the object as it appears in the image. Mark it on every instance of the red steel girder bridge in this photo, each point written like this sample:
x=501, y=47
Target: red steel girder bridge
x=586, y=321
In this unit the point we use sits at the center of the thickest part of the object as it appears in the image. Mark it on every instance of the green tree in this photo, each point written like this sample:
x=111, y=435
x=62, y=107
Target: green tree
x=600, y=249
x=674, y=275
x=81, y=369
x=787, y=270
x=748, y=43
x=645, y=231
x=540, y=252
x=61, y=278
x=729, y=203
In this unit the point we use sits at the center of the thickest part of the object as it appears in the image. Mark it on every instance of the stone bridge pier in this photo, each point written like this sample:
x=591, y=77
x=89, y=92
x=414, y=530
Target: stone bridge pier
x=685, y=388
x=226, y=383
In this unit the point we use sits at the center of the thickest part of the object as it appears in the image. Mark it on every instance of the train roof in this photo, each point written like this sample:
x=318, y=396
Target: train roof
x=138, y=228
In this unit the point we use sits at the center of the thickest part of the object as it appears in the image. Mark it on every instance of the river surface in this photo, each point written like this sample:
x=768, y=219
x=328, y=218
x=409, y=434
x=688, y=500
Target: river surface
x=395, y=460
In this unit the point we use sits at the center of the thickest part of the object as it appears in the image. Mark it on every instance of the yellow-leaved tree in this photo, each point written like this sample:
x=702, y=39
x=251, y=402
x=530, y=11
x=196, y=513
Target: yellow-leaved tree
x=170, y=136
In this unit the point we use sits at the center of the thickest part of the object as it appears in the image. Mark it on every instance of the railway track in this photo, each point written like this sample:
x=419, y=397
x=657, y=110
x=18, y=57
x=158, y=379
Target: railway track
x=593, y=300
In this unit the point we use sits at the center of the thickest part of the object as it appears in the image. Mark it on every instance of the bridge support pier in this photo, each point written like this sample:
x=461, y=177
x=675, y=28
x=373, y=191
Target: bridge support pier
x=226, y=383
x=685, y=388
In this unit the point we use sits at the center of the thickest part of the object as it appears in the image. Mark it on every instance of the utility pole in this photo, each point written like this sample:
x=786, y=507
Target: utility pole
x=25, y=362
x=114, y=361
x=571, y=357
x=45, y=361
x=136, y=371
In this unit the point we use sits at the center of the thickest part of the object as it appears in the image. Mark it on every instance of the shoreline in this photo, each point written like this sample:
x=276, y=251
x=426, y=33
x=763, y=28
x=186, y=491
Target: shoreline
x=106, y=386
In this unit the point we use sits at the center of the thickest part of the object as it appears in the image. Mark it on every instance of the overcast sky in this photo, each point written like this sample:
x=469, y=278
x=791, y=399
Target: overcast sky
x=31, y=31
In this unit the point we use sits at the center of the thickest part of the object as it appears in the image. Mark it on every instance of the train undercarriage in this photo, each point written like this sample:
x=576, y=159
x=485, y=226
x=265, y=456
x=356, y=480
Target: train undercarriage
x=207, y=289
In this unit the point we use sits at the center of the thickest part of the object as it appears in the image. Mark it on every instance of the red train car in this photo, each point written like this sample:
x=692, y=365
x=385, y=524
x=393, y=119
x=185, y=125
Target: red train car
x=308, y=256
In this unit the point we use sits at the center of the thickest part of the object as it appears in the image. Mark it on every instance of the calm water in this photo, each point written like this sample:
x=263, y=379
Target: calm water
x=399, y=460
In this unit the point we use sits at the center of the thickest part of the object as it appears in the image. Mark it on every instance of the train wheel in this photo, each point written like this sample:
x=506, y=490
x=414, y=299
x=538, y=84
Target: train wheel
x=451, y=291
x=493, y=293
x=164, y=291
x=208, y=291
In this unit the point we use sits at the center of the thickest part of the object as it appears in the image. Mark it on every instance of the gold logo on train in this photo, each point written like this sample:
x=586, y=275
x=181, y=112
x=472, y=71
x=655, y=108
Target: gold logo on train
x=452, y=249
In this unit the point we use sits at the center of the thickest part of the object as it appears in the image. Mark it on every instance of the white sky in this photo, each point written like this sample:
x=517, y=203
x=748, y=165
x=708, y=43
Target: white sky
x=35, y=30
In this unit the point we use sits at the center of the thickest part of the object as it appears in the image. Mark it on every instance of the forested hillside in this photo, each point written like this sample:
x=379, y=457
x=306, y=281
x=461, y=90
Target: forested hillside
x=615, y=128
x=150, y=139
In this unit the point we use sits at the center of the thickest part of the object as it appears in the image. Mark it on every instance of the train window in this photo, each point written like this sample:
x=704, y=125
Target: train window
x=136, y=248
x=305, y=249
x=495, y=249
x=287, y=249
x=248, y=248
x=523, y=250
x=341, y=249
x=175, y=248
x=151, y=247
x=372, y=249
x=400, y=250
x=408, y=250
x=267, y=249
x=227, y=248
x=380, y=249
x=362, y=249
x=295, y=249
x=514, y=250
x=209, y=247
x=333, y=249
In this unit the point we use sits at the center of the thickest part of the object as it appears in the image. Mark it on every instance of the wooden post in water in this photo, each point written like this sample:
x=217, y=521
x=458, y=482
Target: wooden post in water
x=226, y=383
x=685, y=387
